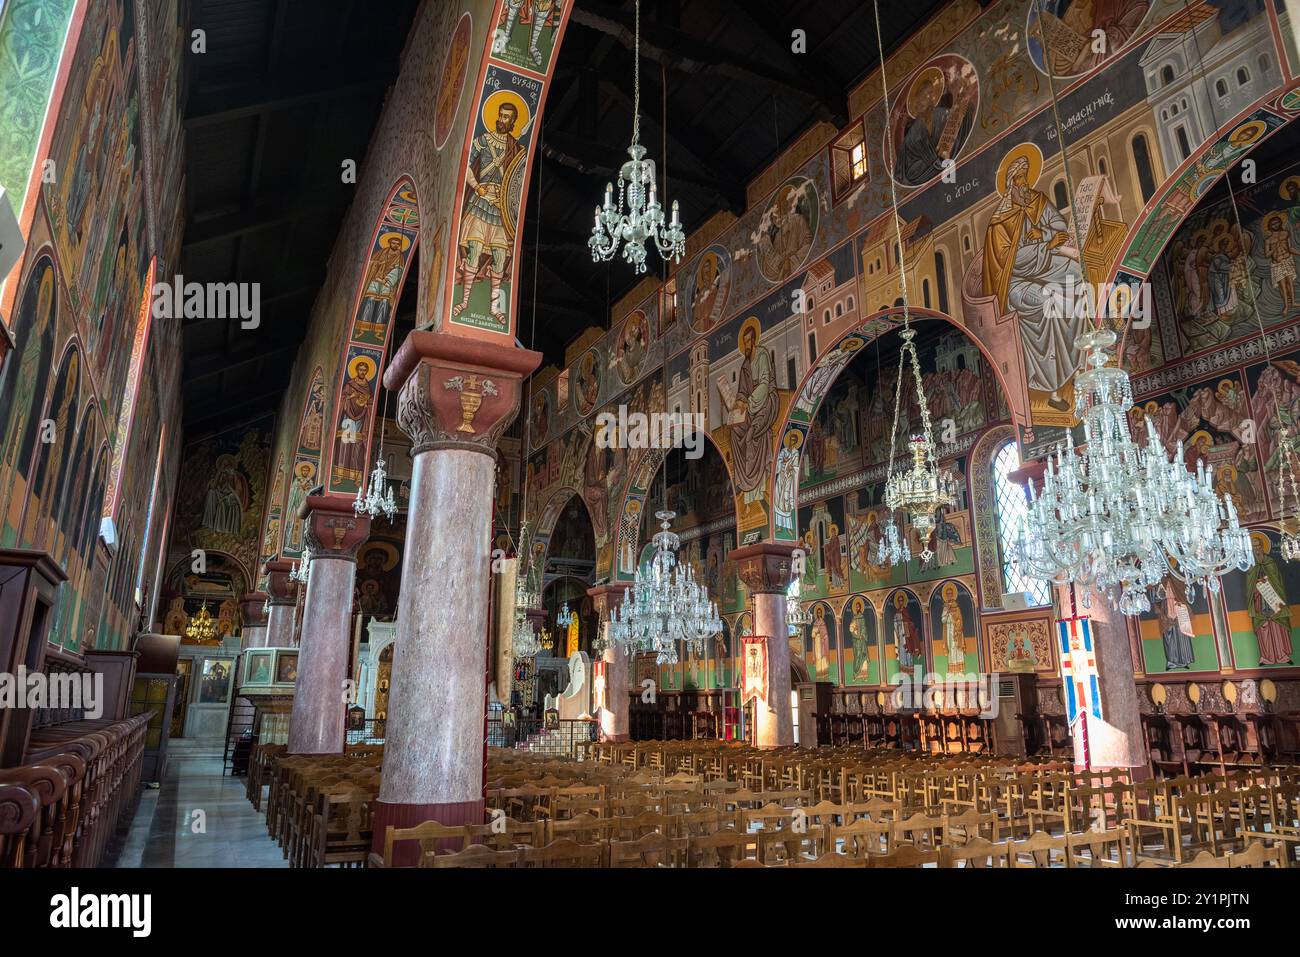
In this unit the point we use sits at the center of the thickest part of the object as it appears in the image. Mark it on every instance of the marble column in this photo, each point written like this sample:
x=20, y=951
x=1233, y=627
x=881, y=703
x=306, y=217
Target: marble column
x=456, y=396
x=765, y=570
x=252, y=605
x=284, y=599
x=614, y=716
x=334, y=532
x=1116, y=741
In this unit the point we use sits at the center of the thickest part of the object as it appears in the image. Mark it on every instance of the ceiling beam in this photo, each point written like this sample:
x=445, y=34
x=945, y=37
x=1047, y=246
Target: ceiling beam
x=277, y=210
x=205, y=110
x=683, y=53
x=202, y=413
x=594, y=158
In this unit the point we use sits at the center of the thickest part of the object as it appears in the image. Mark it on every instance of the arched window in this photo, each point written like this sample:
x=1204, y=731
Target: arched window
x=1243, y=76
x=850, y=303
x=1101, y=166
x=941, y=279
x=925, y=291
x=1166, y=75
x=839, y=309
x=1221, y=87
x=1011, y=503
x=1060, y=195
x=1142, y=160
x=1264, y=63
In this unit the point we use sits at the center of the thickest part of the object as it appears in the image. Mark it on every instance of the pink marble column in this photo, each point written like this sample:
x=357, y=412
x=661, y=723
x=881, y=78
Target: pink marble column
x=334, y=532
x=456, y=397
x=765, y=570
x=614, y=716
x=283, y=600
x=253, y=610
x=1117, y=740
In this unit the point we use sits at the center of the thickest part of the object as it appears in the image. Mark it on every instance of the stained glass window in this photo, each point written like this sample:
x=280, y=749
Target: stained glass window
x=1012, y=505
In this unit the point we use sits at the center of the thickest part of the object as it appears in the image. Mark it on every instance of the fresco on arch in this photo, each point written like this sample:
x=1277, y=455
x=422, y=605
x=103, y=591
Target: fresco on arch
x=1213, y=421
x=1081, y=35
x=819, y=643
x=903, y=633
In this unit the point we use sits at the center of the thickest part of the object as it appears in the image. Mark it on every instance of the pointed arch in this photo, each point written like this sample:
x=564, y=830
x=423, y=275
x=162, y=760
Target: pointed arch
x=394, y=239
x=60, y=407
x=988, y=555
x=627, y=530
x=817, y=383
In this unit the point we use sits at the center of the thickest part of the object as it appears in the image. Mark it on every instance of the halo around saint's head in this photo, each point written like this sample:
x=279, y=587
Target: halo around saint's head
x=1026, y=151
x=493, y=104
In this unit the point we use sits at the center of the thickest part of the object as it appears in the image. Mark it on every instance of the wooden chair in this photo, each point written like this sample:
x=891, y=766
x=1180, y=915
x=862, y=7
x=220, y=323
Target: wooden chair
x=430, y=834
x=1040, y=849
x=475, y=855
x=831, y=859
x=978, y=853
x=650, y=850
x=1098, y=848
x=861, y=838
x=340, y=830
x=564, y=853
x=725, y=847
x=905, y=856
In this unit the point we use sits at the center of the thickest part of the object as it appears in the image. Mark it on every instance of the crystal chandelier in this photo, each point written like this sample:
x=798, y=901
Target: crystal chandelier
x=796, y=616
x=379, y=498
x=924, y=488
x=524, y=639
x=644, y=218
x=565, y=618
x=665, y=604
x=301, y=571
x=201, y=628
x=1122, y=517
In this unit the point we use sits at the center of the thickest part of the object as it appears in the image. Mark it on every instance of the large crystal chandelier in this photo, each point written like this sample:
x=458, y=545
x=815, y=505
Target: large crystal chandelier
x=665, y=604
x=924, y=488
x=1122, y=517
x=644, y=218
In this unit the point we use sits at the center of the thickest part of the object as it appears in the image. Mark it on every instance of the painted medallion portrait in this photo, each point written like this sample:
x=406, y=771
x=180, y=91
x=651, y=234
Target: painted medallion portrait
x=707, y=292
x=452, y=82
x=540, y=420
x=586, y=384
x=932, y=118
x=1075, y=36
x=784, y=235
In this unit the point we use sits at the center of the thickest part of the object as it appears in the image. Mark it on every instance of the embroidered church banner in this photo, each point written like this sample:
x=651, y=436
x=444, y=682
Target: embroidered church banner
x=754, y=650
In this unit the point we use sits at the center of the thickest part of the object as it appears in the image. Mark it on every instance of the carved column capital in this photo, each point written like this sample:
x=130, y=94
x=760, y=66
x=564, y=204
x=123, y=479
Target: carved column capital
x=283, y=591
x=455, y=392
x=605, y=598
x=764, y=567
x=251, y=605
x=332, y=527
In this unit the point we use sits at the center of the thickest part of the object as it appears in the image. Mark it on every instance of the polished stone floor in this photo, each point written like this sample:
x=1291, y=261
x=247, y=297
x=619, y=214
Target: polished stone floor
x=167, y=832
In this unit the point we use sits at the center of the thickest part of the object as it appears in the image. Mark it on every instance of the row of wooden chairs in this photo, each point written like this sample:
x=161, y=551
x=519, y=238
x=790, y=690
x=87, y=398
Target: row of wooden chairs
x=79, y=784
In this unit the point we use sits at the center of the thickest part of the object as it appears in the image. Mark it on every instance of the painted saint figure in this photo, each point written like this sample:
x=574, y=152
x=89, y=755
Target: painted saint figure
x=786, y=493
x=1026, y=256
x=380, y=284
x=1270, y=613
x=821, y=644
x=907, y=640
x=954, y=629
x=755, y=409
x=354, y=405
x=1175, y=636
x=934, y=129
x=223, y=510
x=483, y=229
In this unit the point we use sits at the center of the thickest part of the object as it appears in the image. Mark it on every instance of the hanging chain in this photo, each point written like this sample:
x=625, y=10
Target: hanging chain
x=893, y=188
x=898, y=395
x=636, y=78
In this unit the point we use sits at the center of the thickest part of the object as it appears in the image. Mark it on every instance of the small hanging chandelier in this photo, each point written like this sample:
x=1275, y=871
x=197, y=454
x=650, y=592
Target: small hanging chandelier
x=665, y=605
x=796, y=616
x=1288, y=498
x=644, y=218
x=524, y=638
x=379, y=497
x=301, y=570
x=201, y=628
x=565, y=618
x=924, y=488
